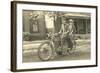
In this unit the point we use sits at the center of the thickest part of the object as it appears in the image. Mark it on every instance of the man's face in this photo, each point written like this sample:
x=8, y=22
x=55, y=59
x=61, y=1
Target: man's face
x=64, y=21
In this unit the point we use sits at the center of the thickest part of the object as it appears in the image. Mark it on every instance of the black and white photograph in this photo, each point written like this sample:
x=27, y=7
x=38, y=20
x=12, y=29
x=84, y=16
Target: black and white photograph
x=53, y=36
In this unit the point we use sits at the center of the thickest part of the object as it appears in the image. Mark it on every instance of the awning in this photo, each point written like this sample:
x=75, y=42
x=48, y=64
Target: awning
x=77, y=15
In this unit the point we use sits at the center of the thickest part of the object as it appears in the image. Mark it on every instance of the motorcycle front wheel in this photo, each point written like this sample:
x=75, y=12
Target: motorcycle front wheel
x=45, y=51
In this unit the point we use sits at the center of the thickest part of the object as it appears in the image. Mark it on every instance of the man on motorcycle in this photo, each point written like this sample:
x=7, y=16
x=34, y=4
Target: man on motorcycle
x=67, y=33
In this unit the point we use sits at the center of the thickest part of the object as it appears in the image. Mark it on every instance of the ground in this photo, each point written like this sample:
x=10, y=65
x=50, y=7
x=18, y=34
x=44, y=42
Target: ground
x=82, y=51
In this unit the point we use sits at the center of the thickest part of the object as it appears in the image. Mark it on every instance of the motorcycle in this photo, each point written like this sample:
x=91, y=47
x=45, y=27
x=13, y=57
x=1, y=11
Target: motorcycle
x=48, y=48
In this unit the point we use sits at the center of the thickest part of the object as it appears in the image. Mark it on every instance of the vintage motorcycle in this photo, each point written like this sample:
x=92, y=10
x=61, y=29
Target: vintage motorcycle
x=48, y=48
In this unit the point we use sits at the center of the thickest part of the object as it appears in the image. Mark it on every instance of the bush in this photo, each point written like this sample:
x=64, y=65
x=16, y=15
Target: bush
x=82, y=36
x=26, y=36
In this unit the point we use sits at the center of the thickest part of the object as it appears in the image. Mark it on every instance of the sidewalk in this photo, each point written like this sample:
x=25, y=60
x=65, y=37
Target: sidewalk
x=32, y=42
x=31, y=46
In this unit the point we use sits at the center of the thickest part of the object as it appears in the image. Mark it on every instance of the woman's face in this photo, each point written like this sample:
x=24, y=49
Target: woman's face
x=70, y=22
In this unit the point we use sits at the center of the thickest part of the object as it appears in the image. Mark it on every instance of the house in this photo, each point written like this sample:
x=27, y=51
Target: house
x=38, y=23
x=34, y=24
x=81, y=22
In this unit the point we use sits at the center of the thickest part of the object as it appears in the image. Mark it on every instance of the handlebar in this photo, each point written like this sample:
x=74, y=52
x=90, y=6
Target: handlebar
x=53, y=35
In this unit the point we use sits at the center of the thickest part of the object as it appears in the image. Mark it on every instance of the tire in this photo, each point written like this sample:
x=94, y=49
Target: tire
x=65, y=48
x=45, y=51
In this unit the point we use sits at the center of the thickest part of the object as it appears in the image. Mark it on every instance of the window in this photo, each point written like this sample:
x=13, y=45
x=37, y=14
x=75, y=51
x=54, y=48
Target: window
x=35, y=28
x=34, y=25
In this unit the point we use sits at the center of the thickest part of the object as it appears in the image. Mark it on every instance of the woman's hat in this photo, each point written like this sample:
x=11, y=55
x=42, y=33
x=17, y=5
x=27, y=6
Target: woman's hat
x=71, y=20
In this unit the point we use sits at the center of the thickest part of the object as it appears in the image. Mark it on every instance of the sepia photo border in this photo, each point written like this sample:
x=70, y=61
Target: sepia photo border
x=15, y=44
